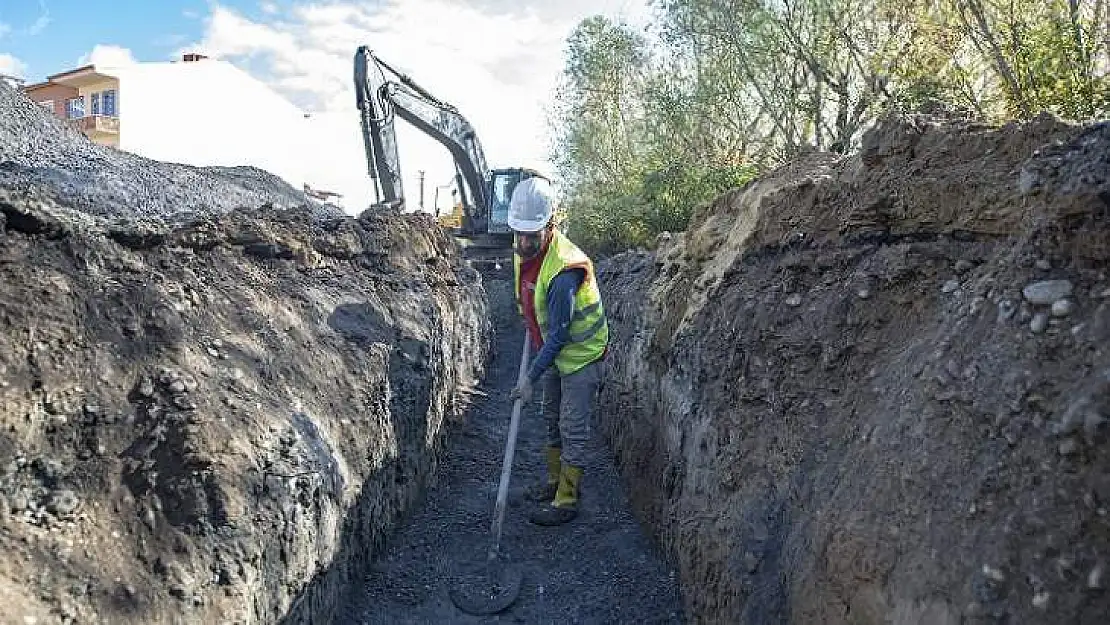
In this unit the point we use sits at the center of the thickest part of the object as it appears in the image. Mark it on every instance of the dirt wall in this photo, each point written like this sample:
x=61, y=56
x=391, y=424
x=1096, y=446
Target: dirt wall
x=875, y=388
x=216, y=422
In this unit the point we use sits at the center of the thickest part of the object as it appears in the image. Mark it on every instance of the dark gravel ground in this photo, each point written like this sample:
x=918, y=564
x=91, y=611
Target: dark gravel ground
x=601, y=568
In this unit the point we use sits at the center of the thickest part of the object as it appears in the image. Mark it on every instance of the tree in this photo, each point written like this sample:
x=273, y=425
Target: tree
x=649, y=125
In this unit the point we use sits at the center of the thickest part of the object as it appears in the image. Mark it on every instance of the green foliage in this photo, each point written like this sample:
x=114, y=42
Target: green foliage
x=1011, y=59
x=649, y=125
x=660, y=201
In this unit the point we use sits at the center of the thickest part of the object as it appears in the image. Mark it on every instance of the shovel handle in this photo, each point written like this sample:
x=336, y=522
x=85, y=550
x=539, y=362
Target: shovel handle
x=510, y=449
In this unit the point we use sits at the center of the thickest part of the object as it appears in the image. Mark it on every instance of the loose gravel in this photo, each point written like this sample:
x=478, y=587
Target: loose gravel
x=40, y=151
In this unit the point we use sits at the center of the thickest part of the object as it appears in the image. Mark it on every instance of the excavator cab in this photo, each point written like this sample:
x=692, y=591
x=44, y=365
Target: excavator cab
x=486, y=232
x=502, y=184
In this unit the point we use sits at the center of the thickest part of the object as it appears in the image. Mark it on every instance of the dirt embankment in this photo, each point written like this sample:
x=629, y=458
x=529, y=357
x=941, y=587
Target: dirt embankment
x=876, y=389
x=197, y=430
x=213, y=414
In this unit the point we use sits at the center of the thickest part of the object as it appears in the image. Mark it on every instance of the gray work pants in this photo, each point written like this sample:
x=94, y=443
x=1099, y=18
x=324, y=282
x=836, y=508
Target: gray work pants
x=567, y=409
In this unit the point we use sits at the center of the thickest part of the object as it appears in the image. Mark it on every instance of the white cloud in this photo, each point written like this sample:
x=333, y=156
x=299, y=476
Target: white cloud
x=497, y=61
x=11, y=66
x=43, y=20
x=108, y=56
x=4, y=29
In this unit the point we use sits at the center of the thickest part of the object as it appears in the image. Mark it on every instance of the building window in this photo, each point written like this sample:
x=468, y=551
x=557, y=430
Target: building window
x=75, y=107
x=95, y=103
x=108, y=103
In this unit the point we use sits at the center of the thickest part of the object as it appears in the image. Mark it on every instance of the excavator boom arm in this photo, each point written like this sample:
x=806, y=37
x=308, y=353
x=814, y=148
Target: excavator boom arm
x=379, y=138
x=380, y=100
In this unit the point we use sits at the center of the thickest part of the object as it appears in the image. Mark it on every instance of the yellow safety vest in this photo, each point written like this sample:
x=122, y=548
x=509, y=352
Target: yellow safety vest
x=589, y=330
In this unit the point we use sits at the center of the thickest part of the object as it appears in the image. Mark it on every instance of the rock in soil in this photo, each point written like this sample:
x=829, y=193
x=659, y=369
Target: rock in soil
x=1047, y=292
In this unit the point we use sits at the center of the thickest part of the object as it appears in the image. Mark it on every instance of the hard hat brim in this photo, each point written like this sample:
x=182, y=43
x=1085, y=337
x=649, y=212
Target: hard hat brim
x=522, y=225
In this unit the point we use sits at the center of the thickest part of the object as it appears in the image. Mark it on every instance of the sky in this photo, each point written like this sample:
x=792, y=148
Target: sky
x=498, y=61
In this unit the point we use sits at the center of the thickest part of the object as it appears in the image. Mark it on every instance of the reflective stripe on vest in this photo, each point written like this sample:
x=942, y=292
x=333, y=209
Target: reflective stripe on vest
x=589, y=331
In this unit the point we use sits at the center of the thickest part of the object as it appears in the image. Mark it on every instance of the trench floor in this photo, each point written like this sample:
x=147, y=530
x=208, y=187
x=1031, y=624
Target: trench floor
x=600, y=568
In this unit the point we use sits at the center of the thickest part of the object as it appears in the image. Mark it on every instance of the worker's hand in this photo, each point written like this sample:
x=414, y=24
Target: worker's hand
x=522, y=391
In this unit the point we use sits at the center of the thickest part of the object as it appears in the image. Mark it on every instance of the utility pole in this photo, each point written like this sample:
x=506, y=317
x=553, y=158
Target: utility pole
x=421, y=189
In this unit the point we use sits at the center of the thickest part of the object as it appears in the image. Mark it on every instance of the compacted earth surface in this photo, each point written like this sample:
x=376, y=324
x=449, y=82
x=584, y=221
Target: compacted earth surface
x=600, y=568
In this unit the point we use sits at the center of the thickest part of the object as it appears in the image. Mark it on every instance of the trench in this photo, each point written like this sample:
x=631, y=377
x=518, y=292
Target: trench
x=600, y=568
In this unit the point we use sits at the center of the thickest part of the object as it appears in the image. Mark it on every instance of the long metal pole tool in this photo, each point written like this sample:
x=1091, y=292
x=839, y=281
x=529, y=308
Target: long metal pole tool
x=510, y=450
x=493, y=585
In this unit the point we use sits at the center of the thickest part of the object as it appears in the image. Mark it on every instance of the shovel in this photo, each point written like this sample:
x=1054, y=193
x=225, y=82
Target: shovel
x=491, y=586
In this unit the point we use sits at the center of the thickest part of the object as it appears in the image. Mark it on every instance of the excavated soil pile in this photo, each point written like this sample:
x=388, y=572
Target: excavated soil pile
x=876, y=388
x=211, y=410
x=40, y=151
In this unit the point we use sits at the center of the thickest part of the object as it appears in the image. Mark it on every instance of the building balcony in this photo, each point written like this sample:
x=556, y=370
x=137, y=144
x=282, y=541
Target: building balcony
x=93, y=124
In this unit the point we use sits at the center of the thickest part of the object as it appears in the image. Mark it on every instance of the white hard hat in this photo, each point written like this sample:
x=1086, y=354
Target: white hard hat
x=532, y=205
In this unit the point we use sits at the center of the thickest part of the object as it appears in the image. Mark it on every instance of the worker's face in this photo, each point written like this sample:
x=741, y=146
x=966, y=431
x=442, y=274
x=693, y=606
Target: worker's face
x=529, y=244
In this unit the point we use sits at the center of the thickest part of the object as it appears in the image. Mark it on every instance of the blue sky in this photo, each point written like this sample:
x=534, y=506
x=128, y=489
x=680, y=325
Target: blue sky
x=49, y=36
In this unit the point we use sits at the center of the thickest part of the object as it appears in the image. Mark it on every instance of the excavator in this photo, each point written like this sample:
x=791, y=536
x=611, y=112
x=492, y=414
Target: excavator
x=483, y=193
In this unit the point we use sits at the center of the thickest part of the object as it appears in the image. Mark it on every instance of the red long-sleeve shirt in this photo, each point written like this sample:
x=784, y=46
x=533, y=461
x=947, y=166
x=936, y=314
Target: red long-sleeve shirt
x=529, y=273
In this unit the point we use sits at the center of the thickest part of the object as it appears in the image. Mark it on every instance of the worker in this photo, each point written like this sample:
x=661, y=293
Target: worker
x=558, y=297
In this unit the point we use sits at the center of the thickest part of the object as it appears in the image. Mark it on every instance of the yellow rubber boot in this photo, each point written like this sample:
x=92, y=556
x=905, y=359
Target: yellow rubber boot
x=564, y=506
x=545, y=490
